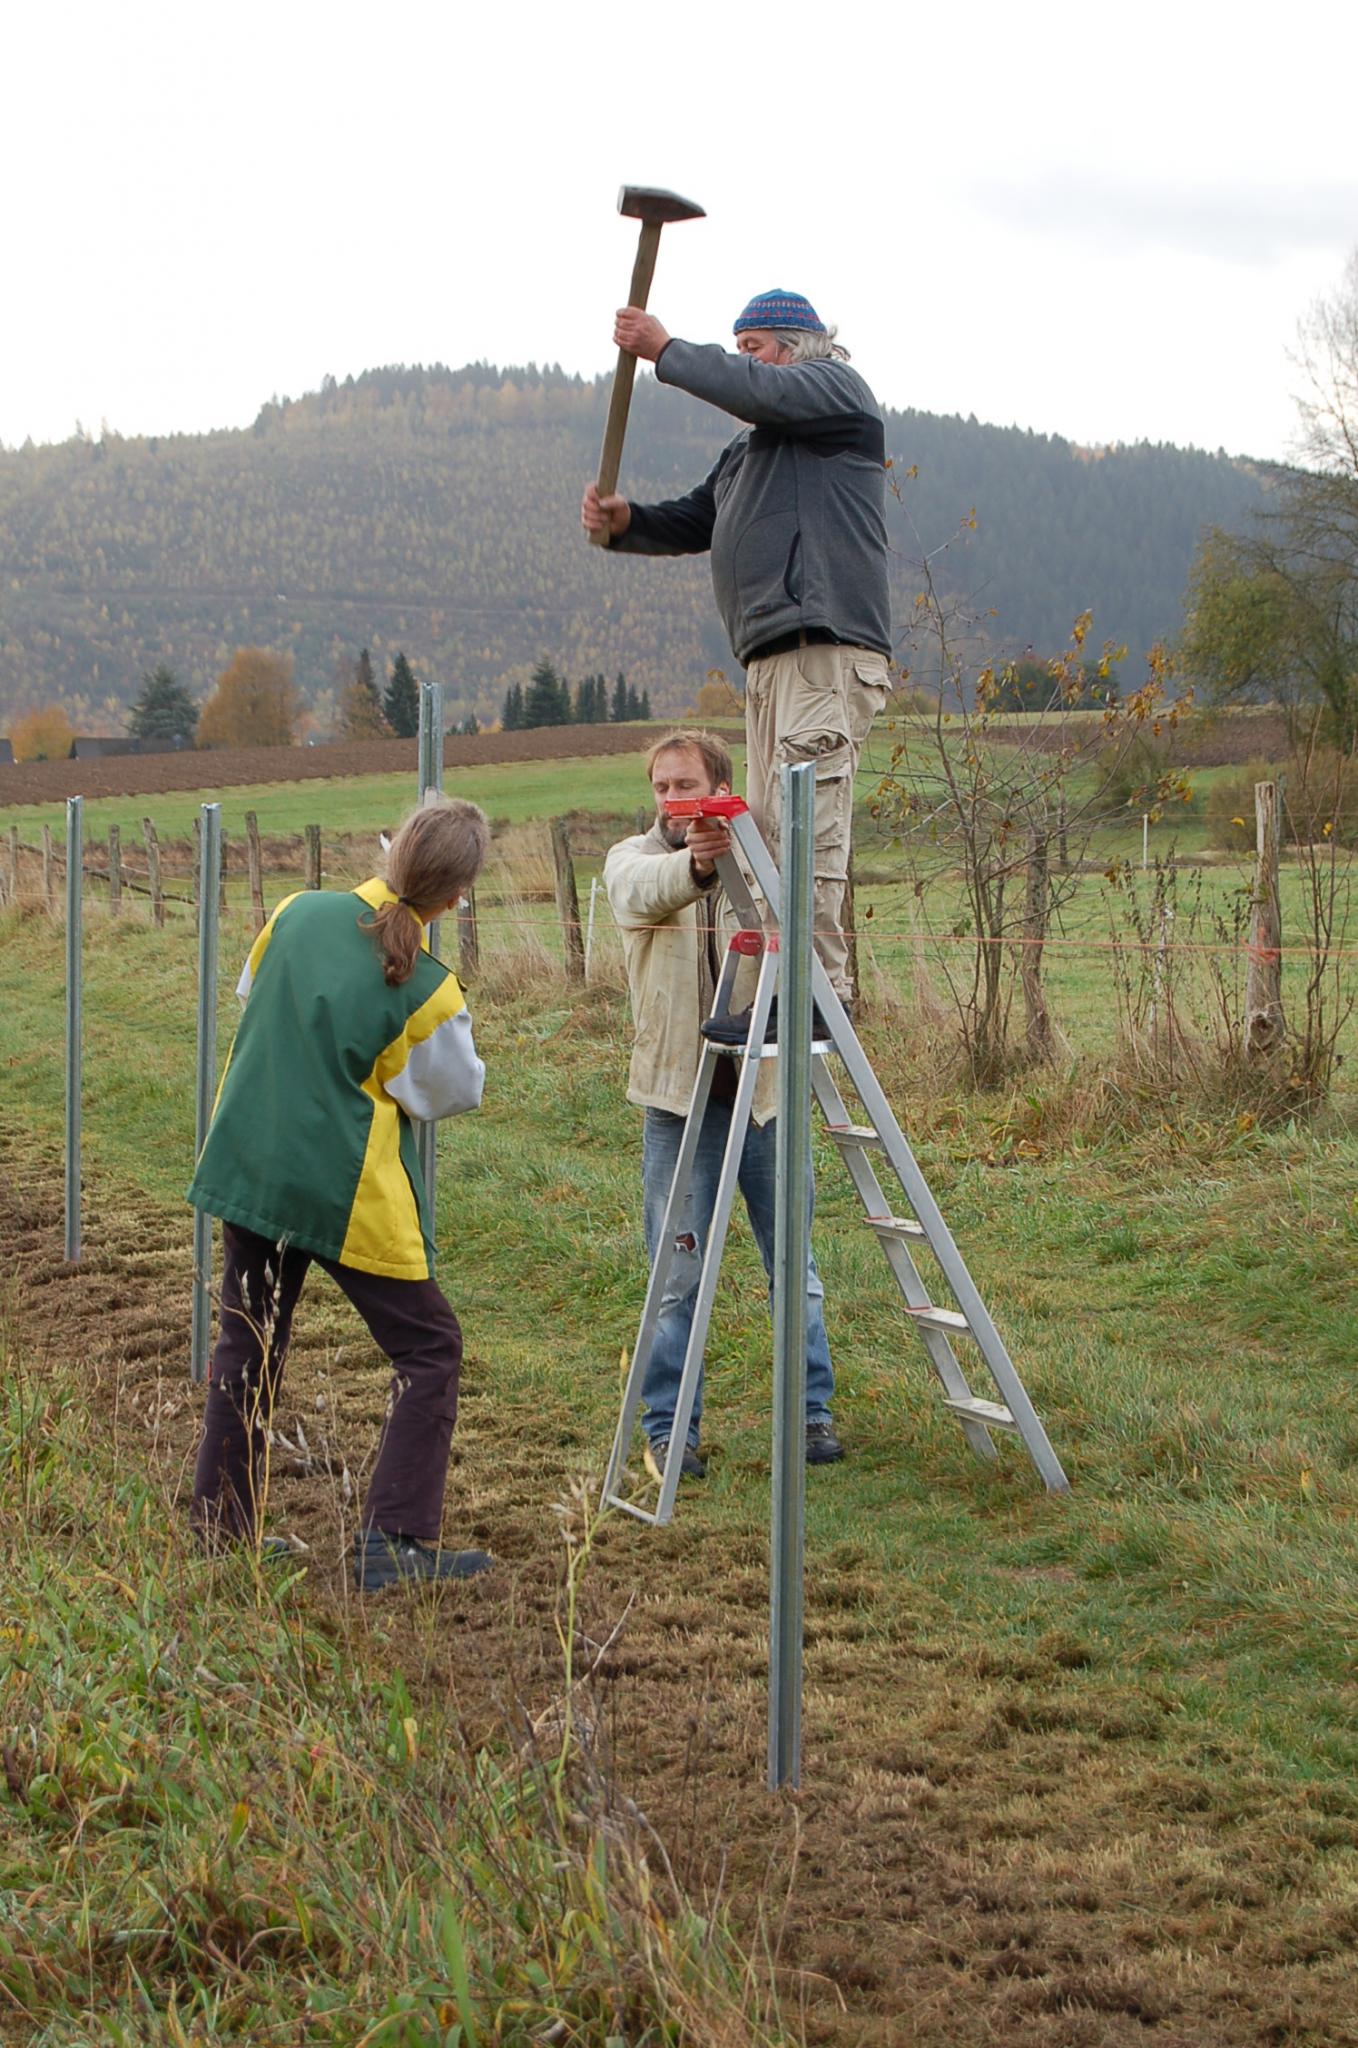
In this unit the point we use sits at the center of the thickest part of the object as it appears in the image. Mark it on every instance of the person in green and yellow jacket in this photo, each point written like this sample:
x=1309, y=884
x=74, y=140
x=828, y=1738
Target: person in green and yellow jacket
x=352, y=1032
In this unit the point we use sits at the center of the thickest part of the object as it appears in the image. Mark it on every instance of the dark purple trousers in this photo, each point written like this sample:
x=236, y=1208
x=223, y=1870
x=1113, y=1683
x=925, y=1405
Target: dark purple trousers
x=409, y=1319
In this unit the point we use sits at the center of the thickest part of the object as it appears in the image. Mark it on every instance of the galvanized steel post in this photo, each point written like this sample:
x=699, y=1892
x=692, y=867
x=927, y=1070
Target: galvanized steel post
x=209, y=877
x=431, y=779
x=75, y=897
x=791, y=1250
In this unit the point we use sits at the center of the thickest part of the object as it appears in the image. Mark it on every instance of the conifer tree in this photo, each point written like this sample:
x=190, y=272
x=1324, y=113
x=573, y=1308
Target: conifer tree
x=547, y=701
x=402, y=700
x=619, y=713
x=164, y=710
x=511, y=718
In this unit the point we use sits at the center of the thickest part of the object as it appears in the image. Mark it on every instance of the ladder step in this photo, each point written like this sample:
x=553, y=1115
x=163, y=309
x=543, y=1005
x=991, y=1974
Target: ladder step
x=992, y=1413
x=846, y=1135
x=938, y=1318
x=896, y=1226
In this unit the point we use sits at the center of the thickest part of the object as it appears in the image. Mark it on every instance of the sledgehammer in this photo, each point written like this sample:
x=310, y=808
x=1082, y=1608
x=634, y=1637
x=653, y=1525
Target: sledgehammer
x=652, y=208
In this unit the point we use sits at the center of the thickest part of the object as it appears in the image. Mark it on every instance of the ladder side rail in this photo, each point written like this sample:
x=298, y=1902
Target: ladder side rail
x=944, y=1249
x=715, y=1243
x=659, y=1279
x=944, y=1360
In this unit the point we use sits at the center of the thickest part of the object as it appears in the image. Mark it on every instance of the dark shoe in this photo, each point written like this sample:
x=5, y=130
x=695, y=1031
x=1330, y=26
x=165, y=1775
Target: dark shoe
x=691, y=1466
x=822, y=1445
x=381, y=1560
x=733, y=1026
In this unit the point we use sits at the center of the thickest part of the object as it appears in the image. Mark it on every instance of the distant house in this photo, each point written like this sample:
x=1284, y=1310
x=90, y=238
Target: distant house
x=94, y=747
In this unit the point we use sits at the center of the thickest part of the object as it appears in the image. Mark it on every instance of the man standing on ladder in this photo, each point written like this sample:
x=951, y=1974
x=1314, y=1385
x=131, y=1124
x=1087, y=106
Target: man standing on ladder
x=663, y=890
x=794, y=514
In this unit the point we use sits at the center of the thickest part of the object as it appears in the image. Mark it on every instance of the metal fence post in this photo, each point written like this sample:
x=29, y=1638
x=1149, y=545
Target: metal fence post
x=431, y=780
x=791, y=1250
x=209, y=879
x=75, y=876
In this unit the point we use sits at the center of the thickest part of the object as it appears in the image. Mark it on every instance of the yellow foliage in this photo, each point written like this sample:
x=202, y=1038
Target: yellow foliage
x=42, y=735
x=254, y=704
x=717, y=699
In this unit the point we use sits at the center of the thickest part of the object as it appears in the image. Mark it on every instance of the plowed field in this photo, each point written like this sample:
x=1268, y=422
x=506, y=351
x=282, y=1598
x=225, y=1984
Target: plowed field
x=38, y=782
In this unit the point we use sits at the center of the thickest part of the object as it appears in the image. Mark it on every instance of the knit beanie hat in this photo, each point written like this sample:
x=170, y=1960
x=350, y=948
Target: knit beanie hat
x=779, y=309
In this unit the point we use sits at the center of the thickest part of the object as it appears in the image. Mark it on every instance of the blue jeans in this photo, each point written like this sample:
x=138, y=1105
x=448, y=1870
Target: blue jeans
x=661, y=1138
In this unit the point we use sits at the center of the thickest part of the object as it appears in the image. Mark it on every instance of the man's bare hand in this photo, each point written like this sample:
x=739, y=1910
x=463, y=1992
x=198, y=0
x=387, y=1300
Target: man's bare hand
x=611, y=514
x=641, y=334
x=708, y=840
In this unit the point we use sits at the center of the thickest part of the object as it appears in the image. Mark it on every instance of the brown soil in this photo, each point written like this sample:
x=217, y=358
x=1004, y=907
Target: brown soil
x=983, y=1850
x=44, y=782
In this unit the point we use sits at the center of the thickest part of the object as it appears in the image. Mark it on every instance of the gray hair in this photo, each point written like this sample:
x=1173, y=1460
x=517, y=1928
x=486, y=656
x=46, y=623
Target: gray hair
x=805, y=347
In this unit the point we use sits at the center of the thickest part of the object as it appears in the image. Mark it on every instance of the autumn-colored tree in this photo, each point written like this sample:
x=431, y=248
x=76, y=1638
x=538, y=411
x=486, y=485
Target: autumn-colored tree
x=42, y=735
x=717, y=699
x=253, y=704
x=361, y=716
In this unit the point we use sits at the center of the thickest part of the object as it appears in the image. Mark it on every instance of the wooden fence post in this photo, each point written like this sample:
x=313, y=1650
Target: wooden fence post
x=313, y=856
x=568, y=902
x=1038, y=1029
x=153, y=871
x=1063, y=850
x=221, y=878
x=468, y=951
x=14, y=863
x=115, y=871
x=1265, y=1025
x=197, y=874
x=256, y=868
x=47, y=857
x=849, y=921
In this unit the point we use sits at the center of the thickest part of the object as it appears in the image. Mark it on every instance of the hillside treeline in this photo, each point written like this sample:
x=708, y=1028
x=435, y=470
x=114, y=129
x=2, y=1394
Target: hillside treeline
x=436, y=511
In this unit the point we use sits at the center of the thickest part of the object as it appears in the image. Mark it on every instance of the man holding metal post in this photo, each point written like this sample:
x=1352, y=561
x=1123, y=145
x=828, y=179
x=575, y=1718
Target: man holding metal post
x=794, y=515
x=674, y=920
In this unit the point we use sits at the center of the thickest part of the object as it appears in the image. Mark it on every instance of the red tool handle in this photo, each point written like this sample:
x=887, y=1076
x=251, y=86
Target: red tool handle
x=705, y=807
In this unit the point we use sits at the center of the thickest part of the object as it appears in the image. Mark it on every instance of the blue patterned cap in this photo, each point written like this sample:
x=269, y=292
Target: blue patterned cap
x=779, y=309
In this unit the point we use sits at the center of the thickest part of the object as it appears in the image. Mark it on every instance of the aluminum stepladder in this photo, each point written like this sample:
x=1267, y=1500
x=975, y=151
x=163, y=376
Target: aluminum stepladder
x=936, y=1325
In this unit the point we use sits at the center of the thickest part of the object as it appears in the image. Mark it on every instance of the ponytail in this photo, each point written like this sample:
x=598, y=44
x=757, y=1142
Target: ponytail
x=438, y=852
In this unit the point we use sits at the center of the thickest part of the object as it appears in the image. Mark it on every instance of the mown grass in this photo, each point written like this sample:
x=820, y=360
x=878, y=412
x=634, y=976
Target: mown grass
x=223, y=1822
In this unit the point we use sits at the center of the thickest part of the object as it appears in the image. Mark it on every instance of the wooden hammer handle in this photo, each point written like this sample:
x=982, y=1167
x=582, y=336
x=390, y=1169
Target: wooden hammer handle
x=643, y=270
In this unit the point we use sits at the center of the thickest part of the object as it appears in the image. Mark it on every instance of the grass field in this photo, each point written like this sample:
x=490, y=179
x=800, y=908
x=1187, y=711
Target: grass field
x=1078, y=1771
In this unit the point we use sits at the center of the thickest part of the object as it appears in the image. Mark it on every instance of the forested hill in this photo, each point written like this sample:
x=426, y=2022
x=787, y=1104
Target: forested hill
x=437, y=511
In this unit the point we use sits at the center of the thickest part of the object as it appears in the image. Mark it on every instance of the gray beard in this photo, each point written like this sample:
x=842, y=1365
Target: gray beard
x=674, y=831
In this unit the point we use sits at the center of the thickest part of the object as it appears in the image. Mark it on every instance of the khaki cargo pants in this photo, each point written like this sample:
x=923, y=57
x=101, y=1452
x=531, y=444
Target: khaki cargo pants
x=814, y=703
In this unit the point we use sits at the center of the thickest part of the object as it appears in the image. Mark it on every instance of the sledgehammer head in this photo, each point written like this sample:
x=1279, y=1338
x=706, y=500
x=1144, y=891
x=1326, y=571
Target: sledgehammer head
x=648, y=202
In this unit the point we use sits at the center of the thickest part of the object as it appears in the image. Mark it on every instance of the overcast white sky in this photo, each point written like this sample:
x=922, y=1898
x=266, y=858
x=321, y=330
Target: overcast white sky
x=1100, y=224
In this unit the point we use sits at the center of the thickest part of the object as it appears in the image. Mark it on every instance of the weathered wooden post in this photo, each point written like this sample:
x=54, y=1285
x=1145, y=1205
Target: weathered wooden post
x=1265, y=1024
x=568, y=902
x=313, y=856
x=1038, y=1027
x=115, y=871
x=468, y=949
x=153, y=872
x=49, y=904
x=221, y=890
x=14, y=863
x=256, y=867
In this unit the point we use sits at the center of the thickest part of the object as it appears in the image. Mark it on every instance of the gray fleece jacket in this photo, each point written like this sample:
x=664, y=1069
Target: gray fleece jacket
x=794, y=509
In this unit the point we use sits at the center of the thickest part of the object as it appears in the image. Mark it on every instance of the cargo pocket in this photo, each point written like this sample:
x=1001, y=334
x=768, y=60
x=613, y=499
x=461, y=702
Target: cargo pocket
x=866, y=694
